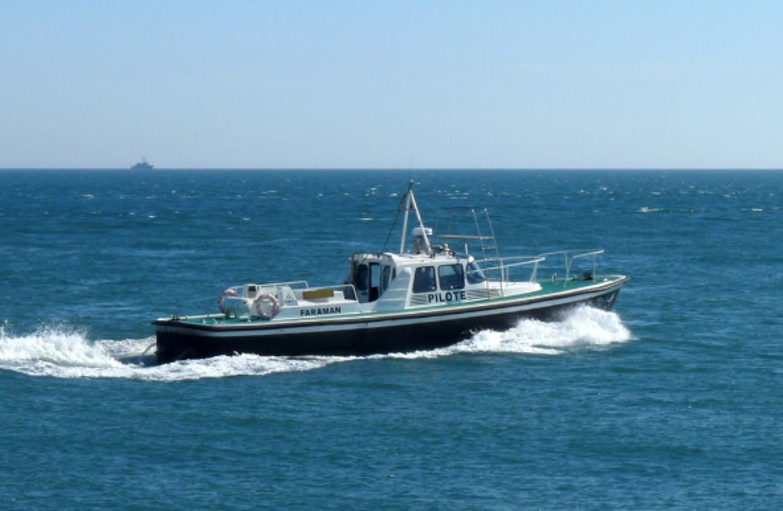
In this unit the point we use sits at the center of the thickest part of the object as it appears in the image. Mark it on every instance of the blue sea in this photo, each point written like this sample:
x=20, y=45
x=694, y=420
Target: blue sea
x=674, y=400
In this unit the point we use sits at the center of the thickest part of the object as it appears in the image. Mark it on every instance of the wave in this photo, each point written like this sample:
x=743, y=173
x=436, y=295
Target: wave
x=68, y=353
x=584, y=328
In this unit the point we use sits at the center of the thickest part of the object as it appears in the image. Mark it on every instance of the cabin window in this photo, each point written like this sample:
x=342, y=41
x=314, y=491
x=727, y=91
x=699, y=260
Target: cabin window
x=375, y=280
x=475, y=275
x=424, y=280
x=451, y=276
x=362, y=282
x=386, y=278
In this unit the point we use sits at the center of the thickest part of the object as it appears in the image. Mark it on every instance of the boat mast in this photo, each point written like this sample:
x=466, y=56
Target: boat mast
x=410, y=204
x=407, y=202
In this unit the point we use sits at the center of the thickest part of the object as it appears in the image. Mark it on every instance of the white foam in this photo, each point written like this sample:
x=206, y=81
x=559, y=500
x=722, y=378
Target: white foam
x=63, y=353
x=66, y=353
x=55, y=345
x=583, y=328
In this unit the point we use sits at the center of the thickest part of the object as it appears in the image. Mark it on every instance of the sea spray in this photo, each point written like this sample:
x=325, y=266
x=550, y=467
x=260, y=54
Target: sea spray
x=63, y=353
x=61, y=346
x=583, y=328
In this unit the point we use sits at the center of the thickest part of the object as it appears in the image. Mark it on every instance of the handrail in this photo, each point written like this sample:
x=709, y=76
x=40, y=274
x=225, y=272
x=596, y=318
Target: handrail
x=299, y=282
x=291, y=283
x=506, y=264
x=471, y=237
x=504, y=268
x=532, y=260
x=580, y=254
x=588, y=251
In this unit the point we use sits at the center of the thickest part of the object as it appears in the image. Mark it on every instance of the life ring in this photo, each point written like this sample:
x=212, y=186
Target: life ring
x=265, y=306
x=228, y=292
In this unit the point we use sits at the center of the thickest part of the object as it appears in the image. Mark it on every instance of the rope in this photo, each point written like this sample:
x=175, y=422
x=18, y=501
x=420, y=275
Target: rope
x=394, y=224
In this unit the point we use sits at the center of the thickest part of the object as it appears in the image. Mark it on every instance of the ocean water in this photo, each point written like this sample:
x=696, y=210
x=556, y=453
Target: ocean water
x=672, y=401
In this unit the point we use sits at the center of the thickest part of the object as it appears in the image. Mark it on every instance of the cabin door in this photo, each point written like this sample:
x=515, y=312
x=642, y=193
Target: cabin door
x=368, y=281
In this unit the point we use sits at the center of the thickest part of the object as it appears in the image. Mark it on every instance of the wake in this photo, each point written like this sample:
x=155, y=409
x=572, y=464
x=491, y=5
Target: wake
x=67, y=353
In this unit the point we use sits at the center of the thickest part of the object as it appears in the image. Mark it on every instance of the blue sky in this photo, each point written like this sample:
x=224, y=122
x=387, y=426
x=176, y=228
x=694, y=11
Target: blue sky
x=392, y=84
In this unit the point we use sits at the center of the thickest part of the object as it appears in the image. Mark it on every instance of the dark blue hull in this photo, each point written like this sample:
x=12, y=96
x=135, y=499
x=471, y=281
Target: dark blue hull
x=363, y=336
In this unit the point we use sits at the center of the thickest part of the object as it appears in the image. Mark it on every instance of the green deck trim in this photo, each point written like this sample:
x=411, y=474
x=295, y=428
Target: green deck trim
x=547, y=288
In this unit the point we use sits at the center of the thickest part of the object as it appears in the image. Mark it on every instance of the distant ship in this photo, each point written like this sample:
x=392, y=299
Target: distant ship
x=142, y=165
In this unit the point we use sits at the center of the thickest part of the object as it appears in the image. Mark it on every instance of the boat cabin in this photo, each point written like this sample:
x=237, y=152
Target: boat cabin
x=371, y=275
x=416, y=280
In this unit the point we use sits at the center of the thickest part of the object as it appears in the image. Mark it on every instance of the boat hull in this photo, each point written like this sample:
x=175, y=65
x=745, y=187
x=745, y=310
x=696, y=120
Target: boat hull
x=376, y=334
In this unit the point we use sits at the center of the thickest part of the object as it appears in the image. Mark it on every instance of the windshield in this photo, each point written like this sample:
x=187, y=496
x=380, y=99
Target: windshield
x=475, y=275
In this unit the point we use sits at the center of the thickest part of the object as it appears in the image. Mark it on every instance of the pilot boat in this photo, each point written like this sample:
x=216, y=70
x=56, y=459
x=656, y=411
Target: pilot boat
x=424, y=296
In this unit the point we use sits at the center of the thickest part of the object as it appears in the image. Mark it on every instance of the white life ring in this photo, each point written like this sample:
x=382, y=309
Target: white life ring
x=265, y=306
x=228, y=292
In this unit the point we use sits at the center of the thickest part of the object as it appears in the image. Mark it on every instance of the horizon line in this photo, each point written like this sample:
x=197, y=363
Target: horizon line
x=400, y=169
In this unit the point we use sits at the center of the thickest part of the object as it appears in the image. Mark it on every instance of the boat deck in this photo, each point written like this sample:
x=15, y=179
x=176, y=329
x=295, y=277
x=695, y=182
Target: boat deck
x=548, y=288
